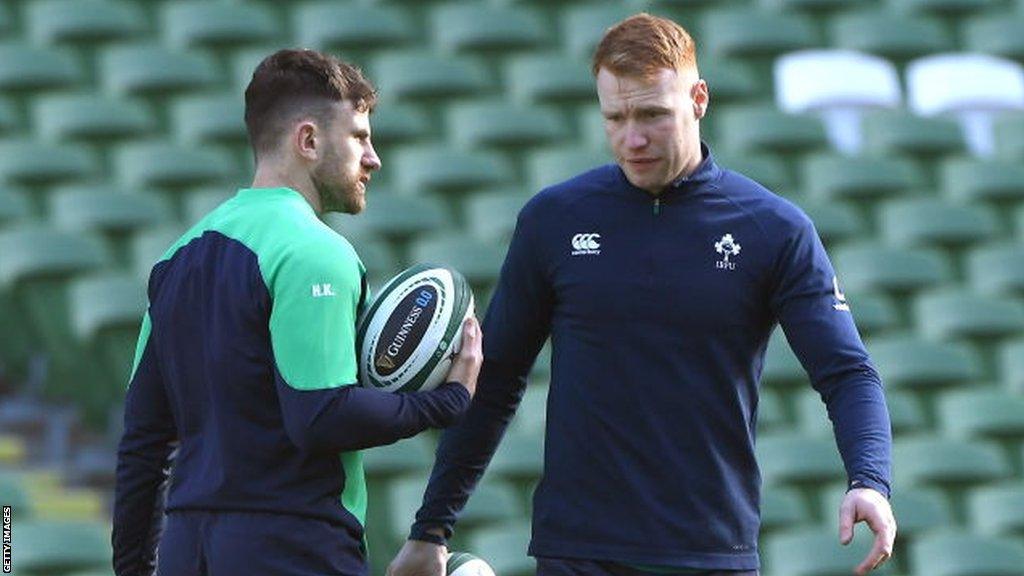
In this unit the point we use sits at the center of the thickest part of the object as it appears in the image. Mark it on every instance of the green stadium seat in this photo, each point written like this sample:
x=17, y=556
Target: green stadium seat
x=399, y=124
x=983, y=180
x=997, y=269
x=149, y=246
x=1011, y=365
x=520, y=457
x=405, y=457
x=926, y=221
x=1008, y=133
x=9, y=117
x=6, y=20
x=584, y=25
x=58, y=547
x=991, y=413
x=908, y=362
x=479, y=263
x=461, y=27
x=761, y=128
x=771, y=415
x=814, y=551
x=997, y=33
x=998, y=510
x=729, y=81
x=782, y=508
x=919, y=511
x=154, y=69
x=531, y=415
x=896, y=37
x=874, y=313
x=421, y=168
x=950, y=314
x=210, y=119
x=90, y=116
x=830, y=176
x=14, y=206
x=158, y=163
x=943, y=462
x=16, y=495
x=33, y=162
x=960, y=553
x=816, y=7
x=106, y=209
x=491, y=503
x=782, y=369
x=790, y=458
x=332, y=25
x=765, y=169
x=905, y=412
x=491, y=215
x=549, y=166
x=549, y=77
x=497, y=124
x=744, y=33
x=78, y=21
x=380, y=260
x=504, y=548
x=942, y=7
x=393, y=217
x=901, y=132
x=415, y=75
x=196, y=23
x=868, y=266
x=202, y=201
x=30, y=68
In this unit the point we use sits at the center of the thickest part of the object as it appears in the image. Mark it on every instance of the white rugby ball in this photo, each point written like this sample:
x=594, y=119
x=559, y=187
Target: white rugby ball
x=465, y=564
x=408, y=336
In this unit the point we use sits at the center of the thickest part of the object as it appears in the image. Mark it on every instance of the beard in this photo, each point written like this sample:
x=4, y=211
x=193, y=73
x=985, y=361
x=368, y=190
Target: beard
x=338, y=191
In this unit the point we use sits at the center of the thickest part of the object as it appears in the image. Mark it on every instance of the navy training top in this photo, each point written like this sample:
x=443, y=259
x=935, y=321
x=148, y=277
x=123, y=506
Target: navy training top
x=659, y=312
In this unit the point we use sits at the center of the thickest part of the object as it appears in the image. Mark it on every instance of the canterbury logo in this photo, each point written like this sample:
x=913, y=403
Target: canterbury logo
x=586, y=244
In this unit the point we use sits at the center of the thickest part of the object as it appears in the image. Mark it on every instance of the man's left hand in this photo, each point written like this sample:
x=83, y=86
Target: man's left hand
x=867, y=505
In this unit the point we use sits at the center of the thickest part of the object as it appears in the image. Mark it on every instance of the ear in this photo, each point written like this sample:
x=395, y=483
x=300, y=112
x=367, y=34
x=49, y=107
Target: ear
x=305, y=140
x=700, y=97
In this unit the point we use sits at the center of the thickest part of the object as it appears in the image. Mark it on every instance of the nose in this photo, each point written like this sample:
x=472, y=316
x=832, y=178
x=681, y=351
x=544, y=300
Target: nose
x=370, y=159
x=635, y=137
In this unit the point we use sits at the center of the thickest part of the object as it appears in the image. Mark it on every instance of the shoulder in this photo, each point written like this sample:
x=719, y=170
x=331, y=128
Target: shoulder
x=773, y=213
x=298, y=244
x=556, y=198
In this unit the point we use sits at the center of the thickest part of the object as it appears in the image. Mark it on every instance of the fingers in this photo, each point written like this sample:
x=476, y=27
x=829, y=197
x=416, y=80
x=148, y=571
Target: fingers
x=880, y=552
x=847, y=516
x=878, y=516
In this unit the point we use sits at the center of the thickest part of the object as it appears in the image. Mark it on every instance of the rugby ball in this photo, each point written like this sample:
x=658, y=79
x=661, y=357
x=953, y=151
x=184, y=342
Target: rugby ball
x=465, y=564
x=408, y=337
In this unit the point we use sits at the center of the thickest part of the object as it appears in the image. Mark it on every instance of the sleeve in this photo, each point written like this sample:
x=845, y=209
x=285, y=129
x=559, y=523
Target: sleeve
x=143, y=460
x=516, y=326
x=316, y=293
x=818, y=324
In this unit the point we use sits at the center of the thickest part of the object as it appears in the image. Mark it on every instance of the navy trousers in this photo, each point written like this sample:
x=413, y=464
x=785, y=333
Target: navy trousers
x=256, y=544
x=574, y=567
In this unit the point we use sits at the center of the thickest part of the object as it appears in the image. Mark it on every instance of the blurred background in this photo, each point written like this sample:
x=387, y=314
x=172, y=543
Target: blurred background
x=898, y=125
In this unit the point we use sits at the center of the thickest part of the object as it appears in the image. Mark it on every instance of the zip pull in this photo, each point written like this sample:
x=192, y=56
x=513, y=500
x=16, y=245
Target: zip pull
x=657, y=205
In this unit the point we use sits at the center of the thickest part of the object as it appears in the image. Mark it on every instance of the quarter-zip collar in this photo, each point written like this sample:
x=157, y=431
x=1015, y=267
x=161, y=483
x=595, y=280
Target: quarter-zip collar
x=707, y=171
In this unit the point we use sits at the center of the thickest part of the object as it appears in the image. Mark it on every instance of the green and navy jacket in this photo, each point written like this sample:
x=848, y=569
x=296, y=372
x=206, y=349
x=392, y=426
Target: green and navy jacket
x=245, y=364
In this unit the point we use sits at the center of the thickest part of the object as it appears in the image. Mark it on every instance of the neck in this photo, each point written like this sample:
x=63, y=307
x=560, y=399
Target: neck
x=271, y=174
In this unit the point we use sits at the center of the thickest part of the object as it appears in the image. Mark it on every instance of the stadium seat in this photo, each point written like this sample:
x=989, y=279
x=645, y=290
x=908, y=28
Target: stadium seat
x=782, y=369
x=154, y=69
x=950, y=314
x=942, y=7
x=729, y=81
x=531, y=415
x=960, y=553
x=396, y=218
x=58, y=547
x=91, y=116
x=997, y=268
x=991, y=413
x=109, y=211
x=920, y=510
x=1009, y=136
x=28, y=68
x=946, y=463
x=874, y=313
x=380, y=260
x=905, y=412
x=196, y=23
x=584, y=25
x=1011, y=365
x=814, y=551
x=928, y=221
x=14, y=206
x=760, y=128
x=997, y=509
x=868, y=266
x=479, y=263
x=415, y=75
x=996, y=33
x=830, y=176
x=33, y=162
x=16, y=495
x=491, y=215
x=422, y=168
x=399, y=124
x=790, y=458
x=896, y=37
x=332, y=25
x=157, y=164
x=901, y=132
x=75, y=21
x=408, y=456
x=201, y=201
x=815, y=7
x=6, y=20
x=149, y=246
x=462, y=27
x=766, y=169
x=749, y=33
x=9, y=116
x=908, y=362
x=845, y=85
x=771, y=415
x=497, y=124
x=504, y=548
x=549, y=166
x=983, y=180
x=210, y=118
x=520, y=458
x=549, y=77
x=996, y=85
x=782, y=508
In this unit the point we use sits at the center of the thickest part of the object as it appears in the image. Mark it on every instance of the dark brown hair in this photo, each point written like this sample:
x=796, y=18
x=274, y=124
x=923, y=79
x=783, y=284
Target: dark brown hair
x=291, y=82
x=643, y=44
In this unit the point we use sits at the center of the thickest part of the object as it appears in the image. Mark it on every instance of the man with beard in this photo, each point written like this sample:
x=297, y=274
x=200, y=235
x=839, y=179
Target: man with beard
x=246, y=359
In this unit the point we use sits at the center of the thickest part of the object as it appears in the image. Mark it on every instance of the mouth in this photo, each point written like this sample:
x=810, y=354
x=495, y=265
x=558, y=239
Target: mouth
x=641, y=163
